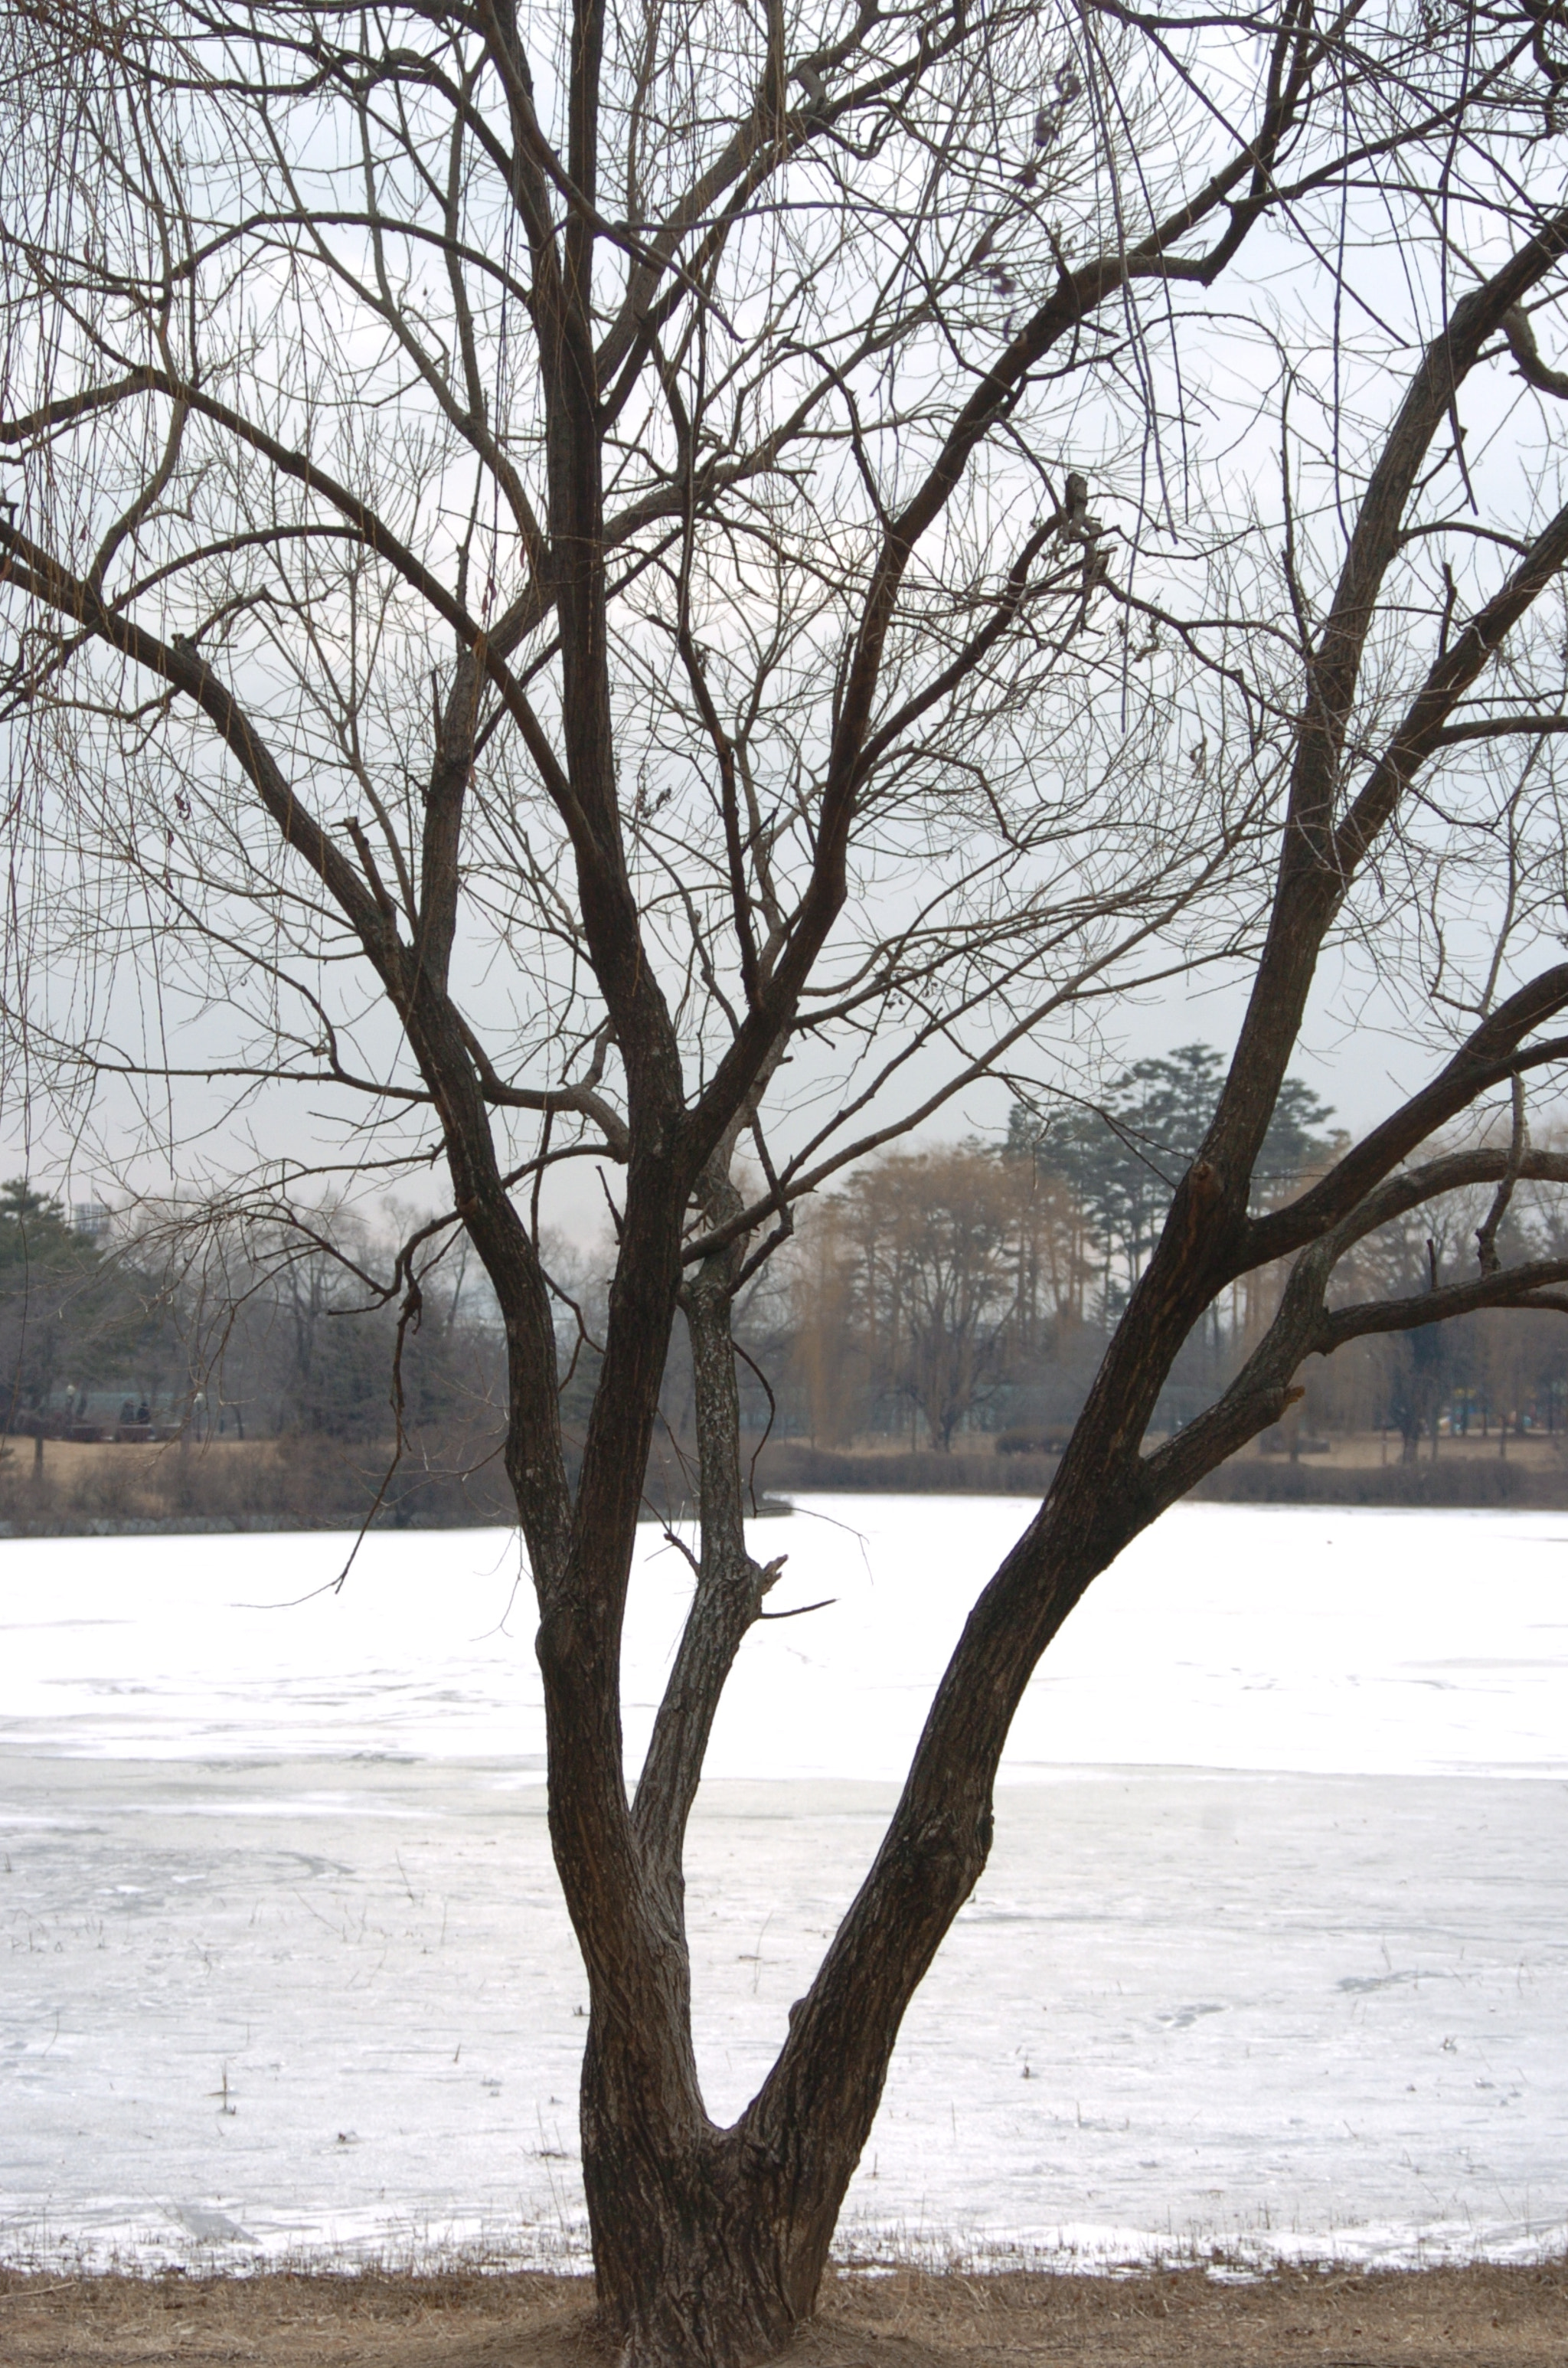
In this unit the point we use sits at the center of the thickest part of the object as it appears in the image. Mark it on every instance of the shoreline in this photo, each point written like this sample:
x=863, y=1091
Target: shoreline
x=1464, y=1483
x=237, y=1490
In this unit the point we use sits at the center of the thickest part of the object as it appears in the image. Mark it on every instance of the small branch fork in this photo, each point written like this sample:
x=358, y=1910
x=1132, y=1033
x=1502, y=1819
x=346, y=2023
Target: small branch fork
x=731, y=1585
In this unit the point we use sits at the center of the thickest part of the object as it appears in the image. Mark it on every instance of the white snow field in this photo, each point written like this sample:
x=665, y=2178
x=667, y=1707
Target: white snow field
x=1271, y=1957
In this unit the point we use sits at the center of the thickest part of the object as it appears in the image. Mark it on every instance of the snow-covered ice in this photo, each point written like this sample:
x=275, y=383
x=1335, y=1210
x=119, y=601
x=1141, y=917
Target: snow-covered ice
x=1272, y=1949
x=1227, y=1636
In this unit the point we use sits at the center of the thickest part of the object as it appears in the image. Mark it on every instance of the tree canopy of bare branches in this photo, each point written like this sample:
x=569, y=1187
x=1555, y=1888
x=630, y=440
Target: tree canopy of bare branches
x=671, y=587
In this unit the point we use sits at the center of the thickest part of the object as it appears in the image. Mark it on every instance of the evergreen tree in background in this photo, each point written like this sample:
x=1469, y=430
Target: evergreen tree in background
x=1124, y=1158
x=66, y=1312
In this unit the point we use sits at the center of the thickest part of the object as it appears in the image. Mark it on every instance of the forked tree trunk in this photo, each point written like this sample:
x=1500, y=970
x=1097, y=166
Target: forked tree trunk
x=710, y=2244
x=700, y=2261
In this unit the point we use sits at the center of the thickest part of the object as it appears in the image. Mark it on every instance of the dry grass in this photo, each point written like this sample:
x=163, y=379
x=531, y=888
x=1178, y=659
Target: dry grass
x=311, y=1481
x=454, y=1482
x=1436, y=2318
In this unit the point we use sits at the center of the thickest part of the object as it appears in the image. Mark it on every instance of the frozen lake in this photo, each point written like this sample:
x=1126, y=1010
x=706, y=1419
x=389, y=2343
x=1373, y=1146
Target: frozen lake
x=1272, y=1951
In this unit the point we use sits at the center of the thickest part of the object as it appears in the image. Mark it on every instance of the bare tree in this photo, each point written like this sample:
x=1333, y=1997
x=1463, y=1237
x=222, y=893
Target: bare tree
x=560, y=614
x=936, y=1278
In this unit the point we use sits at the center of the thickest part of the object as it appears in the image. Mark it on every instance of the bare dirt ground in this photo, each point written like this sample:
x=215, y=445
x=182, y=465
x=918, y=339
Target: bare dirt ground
x=1436, y=2318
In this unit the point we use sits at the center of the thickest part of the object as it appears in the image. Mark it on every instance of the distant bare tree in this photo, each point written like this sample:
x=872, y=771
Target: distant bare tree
x=936, y=1278
x=826, y=1347
x=679, y=585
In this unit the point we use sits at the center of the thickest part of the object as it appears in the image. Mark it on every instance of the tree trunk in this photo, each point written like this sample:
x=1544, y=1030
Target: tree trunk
x=709, y=2244
x=699, y=2261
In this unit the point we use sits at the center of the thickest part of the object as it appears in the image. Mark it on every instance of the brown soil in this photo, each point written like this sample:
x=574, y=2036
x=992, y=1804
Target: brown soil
x=1435, y=2318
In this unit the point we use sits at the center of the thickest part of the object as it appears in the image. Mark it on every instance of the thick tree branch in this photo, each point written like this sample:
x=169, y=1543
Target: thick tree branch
x=1318, y=859
x=1495, y=1051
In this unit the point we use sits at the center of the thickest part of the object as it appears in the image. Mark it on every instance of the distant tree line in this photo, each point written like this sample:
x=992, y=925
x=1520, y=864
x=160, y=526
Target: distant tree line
x=958, y=1294
x=263, y=1332
x=971, y=1289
